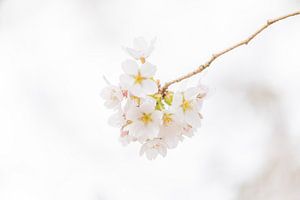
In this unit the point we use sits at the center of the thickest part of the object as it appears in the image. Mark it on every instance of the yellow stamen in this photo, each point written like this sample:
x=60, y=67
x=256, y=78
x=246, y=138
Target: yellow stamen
x=138, y=79
x=186, y=105
x=167, y=119
x=146, y=118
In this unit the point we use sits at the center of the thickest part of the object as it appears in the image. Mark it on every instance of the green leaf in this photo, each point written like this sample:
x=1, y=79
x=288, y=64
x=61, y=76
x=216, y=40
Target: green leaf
x=168, y=98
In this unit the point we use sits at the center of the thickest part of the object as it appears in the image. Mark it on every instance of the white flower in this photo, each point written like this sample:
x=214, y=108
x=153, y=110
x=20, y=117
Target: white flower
x=187, y=106
x=154, y=147
x=137, y=80
x=141, y=49
x=144, y=121
x=112, y=95
x=170, y=130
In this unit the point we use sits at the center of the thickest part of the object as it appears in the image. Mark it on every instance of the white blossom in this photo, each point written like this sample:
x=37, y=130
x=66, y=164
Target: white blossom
x=187, y=106
x=141, y=49
x=112, y=95
x=138, y=80
x=144, y=121
x=154, y=147
x=170, y=129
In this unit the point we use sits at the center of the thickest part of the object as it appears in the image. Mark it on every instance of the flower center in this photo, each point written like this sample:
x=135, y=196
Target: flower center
x=167, y=119
x=138, y=79
x=186, y=105
x=146, y=118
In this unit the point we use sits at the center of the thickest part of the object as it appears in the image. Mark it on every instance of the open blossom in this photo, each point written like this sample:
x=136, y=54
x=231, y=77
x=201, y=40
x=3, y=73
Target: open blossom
x=187, y=106
x=154, y=147
x=144, y=121
x=141, y=49
x=170, y=129
x=138, y=80
x=112, y=95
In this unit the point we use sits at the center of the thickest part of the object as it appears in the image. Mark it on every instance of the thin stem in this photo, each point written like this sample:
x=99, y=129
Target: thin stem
x=217, y=55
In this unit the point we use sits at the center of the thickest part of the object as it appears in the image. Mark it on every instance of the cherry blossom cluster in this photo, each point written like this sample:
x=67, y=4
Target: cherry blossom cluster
x=143, y=113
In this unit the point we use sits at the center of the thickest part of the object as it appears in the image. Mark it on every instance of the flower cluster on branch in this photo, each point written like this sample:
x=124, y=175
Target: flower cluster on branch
x=153, y=115
x=159, y=121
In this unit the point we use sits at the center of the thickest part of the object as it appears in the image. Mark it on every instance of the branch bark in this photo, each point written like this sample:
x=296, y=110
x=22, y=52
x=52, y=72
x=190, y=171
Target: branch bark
x=217, y=55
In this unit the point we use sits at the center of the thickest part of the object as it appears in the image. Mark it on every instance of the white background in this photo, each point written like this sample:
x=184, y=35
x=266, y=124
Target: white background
x=55, y=142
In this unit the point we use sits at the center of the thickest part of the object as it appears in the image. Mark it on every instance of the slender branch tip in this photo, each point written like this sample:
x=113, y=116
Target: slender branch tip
x=246, y=41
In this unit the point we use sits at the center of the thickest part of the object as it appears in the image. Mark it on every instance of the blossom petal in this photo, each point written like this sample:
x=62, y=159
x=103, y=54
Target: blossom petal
x=111, y=104
x=133, y=114
x=172, y=142
x=199, y=104
x=125, y=140
x=151, y=154
x=149, y=100
x=188, y=131
x=126, y=81
x=105, y=92
x=157, y=115
x=193, y=118
x=137, y=90
x=117, y=119
x=149, y=86
x=148, y=132
x=162, y=150
x=147, y=107
x=149, y=50
x=143, y=131
x=191, y=92
x=142, y=150
x=134, y=129
x=135, y=54
x=148, y=70
x=139, y=43
x=130, y=67
x=177, y=100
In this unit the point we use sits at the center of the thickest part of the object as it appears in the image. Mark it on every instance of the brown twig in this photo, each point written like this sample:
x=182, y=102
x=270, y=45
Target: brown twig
x=216, y=55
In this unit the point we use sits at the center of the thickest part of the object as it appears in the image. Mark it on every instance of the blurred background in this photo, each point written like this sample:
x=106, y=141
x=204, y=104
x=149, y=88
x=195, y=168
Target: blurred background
x=55, y=142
